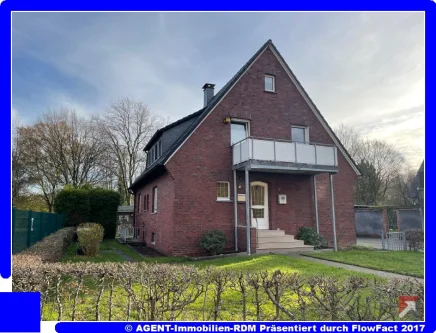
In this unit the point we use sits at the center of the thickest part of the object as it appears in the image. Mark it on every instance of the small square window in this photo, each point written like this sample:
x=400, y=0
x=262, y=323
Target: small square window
x=223, y=191
x=299, y=134
x=270, y=83
x=153, y=238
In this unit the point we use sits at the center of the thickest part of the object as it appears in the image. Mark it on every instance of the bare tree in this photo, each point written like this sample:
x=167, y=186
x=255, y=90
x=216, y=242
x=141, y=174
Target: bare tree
x=379, y=162
x=383, y=163
x=126, y=127
x=19, y=169
x=61, y=149
x=352, y=140
x=404, y=190
x=43, y=174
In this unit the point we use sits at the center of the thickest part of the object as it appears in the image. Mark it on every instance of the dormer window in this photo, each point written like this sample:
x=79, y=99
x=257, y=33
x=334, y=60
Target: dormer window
x=154, y=153
x=270, y=83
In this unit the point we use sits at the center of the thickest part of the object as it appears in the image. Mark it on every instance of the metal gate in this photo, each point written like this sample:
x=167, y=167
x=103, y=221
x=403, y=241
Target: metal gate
x=394, y=241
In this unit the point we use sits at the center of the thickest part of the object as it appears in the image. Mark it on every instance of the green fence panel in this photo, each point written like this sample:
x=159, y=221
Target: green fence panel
x=35, y=225
x=41, y=225
x=20, y=233
x=53, y=223
x=30, y=227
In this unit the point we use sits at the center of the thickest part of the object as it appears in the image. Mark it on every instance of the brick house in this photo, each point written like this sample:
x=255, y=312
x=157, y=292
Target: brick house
x=257, y=162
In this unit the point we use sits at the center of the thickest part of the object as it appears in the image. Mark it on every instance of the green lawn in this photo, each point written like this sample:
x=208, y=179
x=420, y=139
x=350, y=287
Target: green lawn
x=107, y=253
x=253, y=263
x=273, y=262
x=401, y=262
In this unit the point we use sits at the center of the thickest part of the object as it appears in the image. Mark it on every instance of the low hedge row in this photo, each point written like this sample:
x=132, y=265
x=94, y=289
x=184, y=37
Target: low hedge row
x=49, y=249
x=148, y=292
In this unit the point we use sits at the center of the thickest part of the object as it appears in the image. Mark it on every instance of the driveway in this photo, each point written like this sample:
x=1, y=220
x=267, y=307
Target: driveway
x=371, y=242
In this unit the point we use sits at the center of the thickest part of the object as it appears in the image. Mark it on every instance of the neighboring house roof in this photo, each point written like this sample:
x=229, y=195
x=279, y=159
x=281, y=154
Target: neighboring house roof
x=126, y=209
x=200, y=115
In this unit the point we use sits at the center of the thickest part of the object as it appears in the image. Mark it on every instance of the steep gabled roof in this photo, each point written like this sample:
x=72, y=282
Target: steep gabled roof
x=316, y=111
x=203, y=113
x=166, y=128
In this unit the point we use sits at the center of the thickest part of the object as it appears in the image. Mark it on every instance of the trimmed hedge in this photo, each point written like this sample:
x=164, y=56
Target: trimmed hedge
x=89, y=237
x=49, y=249
x=104, y=210
x=84, y=205
x=74, y=204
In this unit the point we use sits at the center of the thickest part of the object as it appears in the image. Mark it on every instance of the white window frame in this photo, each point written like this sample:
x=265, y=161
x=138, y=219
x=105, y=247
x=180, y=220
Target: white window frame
x=154, y=153
x=228, y=191
x=306, y=132
x=240, y=121
x=153, y=235
x=273, y=82
x=154, y=208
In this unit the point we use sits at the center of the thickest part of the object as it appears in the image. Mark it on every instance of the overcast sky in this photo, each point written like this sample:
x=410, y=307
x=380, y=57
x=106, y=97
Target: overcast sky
x=360, y=69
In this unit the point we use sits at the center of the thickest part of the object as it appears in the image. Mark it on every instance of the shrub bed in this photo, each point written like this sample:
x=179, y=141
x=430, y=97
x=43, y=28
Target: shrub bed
x=311, y=237
x=415, y=239
x=49, y=249
x=147, y=292
x=214, y=242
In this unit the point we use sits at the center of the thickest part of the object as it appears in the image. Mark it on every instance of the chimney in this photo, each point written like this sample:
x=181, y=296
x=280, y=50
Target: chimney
x=208, y=89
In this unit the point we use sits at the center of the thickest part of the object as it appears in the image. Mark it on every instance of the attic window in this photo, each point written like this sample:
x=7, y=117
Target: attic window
x=270, y=83
x=155, y=152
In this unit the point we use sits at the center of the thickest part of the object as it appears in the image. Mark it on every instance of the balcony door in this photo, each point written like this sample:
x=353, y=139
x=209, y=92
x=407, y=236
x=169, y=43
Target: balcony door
x=239, y=130
x=259, y=205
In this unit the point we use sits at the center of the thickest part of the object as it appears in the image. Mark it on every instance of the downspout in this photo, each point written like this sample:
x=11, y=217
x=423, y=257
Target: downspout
x=316, y=204
x=235, y=205
x=332, y=197
x=134, y=207
x=247, y=210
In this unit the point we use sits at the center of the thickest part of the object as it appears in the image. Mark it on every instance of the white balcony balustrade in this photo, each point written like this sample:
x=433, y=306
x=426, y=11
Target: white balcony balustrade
x=287, y=152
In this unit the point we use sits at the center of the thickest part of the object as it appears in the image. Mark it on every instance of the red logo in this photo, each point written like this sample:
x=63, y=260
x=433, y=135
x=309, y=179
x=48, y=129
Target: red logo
x=406, y=304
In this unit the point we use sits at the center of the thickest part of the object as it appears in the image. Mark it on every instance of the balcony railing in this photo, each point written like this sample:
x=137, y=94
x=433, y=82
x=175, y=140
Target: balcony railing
x=274, y=150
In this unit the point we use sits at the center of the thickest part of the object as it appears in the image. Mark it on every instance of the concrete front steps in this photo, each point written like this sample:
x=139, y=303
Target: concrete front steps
x=276, y=241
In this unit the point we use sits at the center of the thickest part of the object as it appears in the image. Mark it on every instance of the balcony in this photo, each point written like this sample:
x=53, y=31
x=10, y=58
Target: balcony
x=273, y=155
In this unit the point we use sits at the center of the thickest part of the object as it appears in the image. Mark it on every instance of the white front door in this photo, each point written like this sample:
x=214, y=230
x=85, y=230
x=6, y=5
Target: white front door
x=259, y=205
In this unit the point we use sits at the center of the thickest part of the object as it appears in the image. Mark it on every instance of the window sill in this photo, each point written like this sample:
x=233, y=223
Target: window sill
x=270, y=92
x=153, y=213
x=224, y=200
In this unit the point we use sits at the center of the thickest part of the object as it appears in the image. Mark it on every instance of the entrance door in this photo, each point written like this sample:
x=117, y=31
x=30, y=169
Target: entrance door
x=259, y=205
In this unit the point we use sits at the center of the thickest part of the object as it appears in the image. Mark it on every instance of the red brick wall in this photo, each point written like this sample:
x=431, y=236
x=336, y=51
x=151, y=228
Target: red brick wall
x=242, y=239
x=385, y=220
x=206, y=158
x=299, y=210
x=160, y=223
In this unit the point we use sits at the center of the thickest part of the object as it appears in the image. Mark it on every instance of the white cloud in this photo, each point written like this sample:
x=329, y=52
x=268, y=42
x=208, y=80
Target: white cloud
x=359, y=68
